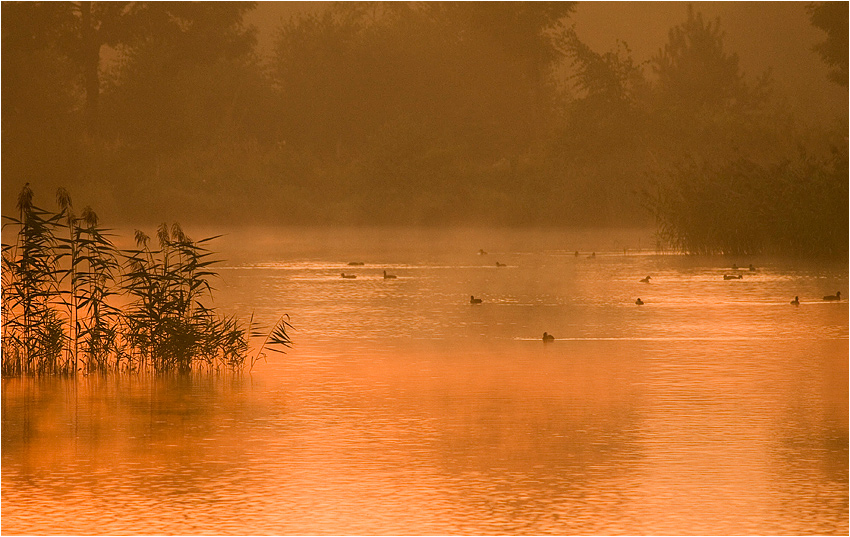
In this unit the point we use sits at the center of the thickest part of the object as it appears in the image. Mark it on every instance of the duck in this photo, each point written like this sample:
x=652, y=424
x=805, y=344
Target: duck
x=500, y=264
x=388, y=276
x=473, y=300
x=576, y=253
x=646, y=280
x=796, y=301
x=732, y=277
x=836, y=296
x=348, y=276
x=356, y=264
x=752, y=268
x=734, y=266
x=591, y=256
x=482, y=252
x=548, y=337
x=639, y=302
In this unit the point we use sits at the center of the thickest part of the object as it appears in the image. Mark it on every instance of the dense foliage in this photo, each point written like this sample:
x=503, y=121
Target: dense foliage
x=74, y=302
x=433, y=113
x=740, y=207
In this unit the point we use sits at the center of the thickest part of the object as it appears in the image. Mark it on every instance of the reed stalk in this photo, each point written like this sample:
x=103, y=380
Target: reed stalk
x=60, y=298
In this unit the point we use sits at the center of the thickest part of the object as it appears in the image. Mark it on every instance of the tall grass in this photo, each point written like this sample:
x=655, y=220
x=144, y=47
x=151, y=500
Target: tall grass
x=796, y=207
x=74, y=302
x=33, y=335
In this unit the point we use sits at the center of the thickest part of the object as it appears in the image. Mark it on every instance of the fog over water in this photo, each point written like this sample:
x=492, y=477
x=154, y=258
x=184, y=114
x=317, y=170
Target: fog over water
x=457, y=268
x=715, y=408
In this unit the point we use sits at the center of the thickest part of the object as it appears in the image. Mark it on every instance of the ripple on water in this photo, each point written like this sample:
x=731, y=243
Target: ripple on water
x=716, y=408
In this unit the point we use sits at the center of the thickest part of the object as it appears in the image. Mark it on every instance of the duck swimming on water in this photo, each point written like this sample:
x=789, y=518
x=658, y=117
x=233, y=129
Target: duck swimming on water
x=348, y=276
x=639, y=302
x=796, y=301
x=548, y=337
x=646, y=280
x=728, y=277
x=836, y=296
x=473, y=300
x=388, y=276
x=500, y=264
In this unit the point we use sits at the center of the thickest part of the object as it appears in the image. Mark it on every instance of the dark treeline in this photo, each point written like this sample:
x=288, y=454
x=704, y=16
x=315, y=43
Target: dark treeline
x=418, y=113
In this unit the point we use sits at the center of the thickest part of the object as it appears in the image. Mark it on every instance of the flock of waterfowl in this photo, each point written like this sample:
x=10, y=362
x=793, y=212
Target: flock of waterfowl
x=547, y=337
x=795, y=302
x=354, y=276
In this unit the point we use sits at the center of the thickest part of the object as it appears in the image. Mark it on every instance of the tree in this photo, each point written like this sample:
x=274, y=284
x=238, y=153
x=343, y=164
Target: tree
x=831, y=17
x=79, y=30
x=611, y=79
x=527, y=32
x=42, y=94
x=524, y=30
x=693, y=69
x=184, y=76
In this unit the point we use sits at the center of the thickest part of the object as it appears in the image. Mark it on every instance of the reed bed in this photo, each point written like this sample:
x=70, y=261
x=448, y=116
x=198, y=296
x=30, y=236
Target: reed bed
x=796, y=207
x=74, y=302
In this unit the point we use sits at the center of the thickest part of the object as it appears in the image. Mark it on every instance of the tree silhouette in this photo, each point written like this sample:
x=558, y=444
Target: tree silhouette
x=79, y=31
x=831, y=17
x=694, y=70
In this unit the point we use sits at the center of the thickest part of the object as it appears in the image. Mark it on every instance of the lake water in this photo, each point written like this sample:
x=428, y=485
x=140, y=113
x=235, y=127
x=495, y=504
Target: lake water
x=715, y=408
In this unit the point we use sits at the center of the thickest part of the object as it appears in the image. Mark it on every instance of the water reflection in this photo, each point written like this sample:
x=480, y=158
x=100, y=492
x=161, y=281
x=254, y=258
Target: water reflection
x=402, y=409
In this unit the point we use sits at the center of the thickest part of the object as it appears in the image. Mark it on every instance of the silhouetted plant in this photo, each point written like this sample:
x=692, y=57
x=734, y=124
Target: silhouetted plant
x=167, y=320
x=276, y=340
x=33, y=337
x=50, y=283
x=97, y=260
x=796, y=207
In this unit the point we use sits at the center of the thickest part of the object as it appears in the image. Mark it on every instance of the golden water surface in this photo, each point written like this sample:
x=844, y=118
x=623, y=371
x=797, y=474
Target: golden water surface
x=715, y=408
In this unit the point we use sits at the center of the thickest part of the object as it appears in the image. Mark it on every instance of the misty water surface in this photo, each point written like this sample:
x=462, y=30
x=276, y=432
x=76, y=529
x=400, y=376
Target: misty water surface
x=715, y=408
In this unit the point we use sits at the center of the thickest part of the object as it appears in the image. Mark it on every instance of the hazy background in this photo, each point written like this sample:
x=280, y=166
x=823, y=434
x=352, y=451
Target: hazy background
x=766, y=35
x=508, y=114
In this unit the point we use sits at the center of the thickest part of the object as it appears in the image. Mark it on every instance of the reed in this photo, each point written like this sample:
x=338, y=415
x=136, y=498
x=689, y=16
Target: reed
x=33, y=335
x=75, y=302
x=276, y=340
x=94, y=269
x=168, y=323
x=794, y=207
